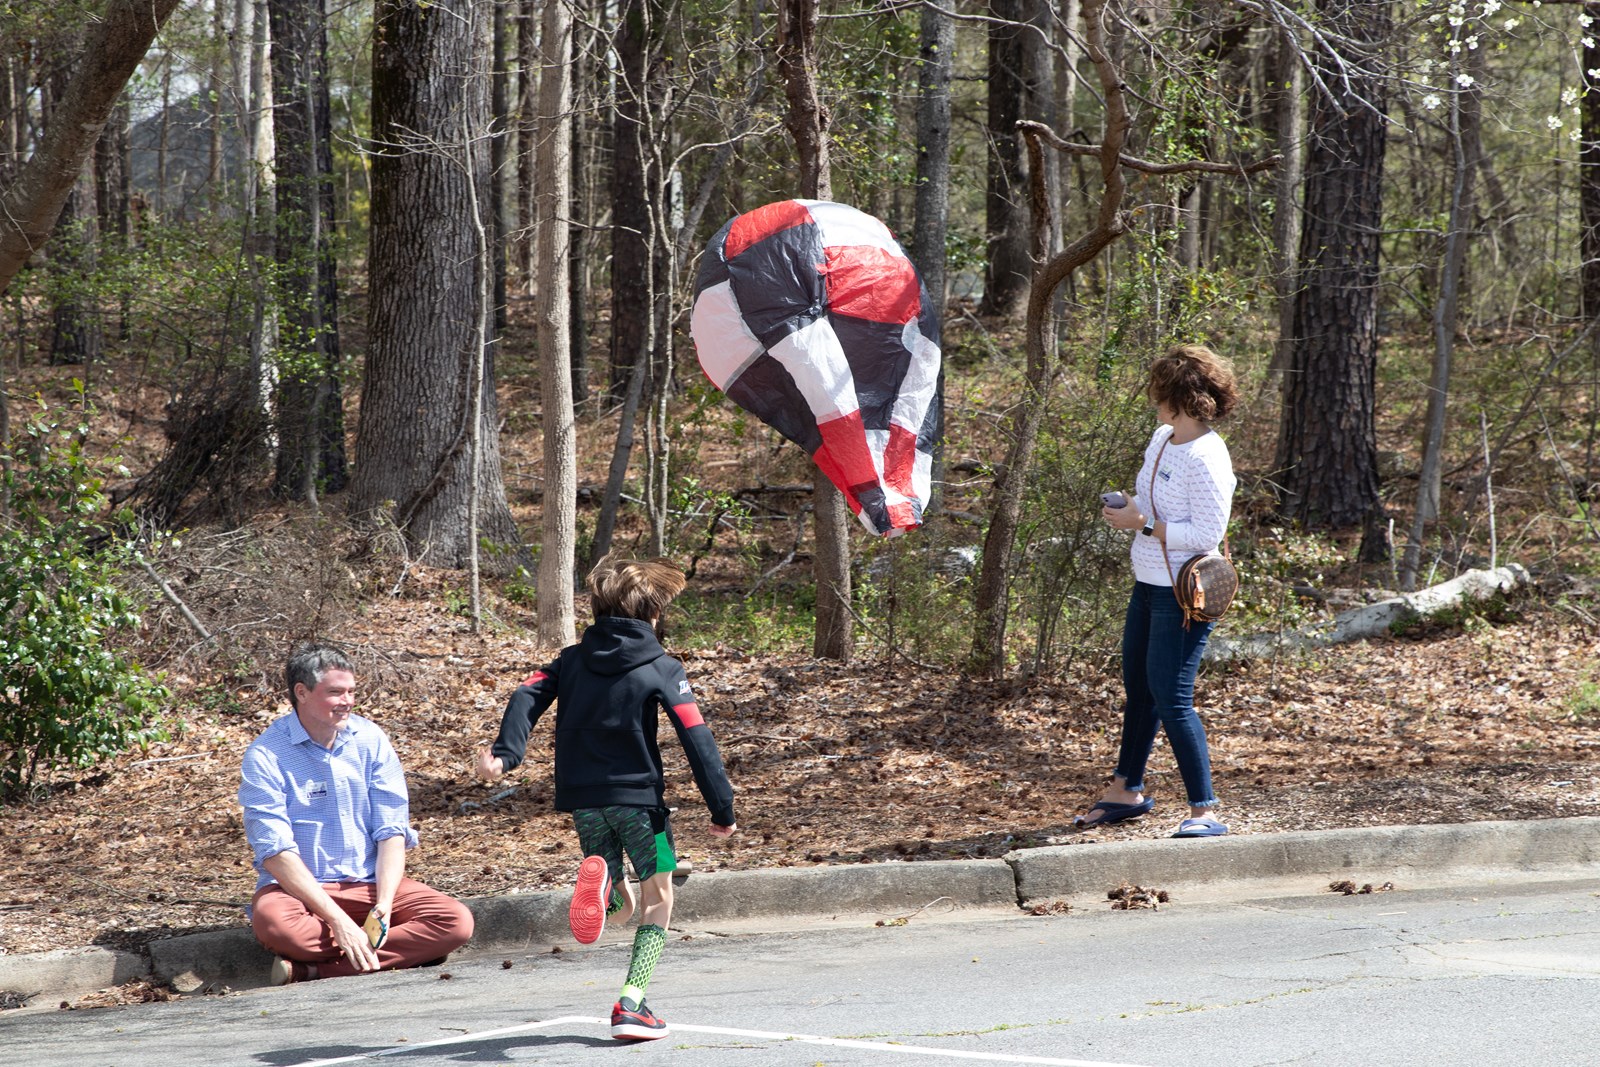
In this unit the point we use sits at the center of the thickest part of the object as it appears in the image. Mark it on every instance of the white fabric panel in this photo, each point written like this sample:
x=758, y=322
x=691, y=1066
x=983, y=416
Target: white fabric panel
x=723, y=342
x=922, y=477
x=841, y=225
x=815, y=360
x=921, y=381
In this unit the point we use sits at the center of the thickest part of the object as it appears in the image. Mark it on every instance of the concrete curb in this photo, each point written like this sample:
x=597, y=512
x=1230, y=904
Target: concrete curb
x=1404, y=854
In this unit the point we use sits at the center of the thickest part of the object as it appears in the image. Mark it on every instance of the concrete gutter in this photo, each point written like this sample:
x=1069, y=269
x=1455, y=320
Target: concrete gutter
x=1300, y=863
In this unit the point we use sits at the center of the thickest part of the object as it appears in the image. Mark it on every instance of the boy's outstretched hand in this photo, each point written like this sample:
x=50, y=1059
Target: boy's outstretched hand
x=724, y=831
x=488, y=766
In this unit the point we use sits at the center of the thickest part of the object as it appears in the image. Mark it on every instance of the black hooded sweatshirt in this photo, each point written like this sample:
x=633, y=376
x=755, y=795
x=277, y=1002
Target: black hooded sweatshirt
x=608, y=689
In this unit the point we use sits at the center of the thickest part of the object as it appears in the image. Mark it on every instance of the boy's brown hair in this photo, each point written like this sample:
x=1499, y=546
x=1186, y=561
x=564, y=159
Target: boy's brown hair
x=1194, y=380
x=633, y=588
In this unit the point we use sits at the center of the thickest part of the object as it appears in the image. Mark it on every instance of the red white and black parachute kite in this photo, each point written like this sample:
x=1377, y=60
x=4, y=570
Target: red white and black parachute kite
x=810, y=317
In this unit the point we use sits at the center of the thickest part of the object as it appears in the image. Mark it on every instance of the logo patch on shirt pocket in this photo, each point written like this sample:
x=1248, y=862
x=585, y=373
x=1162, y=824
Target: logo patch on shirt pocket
x=316, y=790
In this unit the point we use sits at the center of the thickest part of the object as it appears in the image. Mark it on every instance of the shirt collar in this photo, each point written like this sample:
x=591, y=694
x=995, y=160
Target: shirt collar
x=298, y=735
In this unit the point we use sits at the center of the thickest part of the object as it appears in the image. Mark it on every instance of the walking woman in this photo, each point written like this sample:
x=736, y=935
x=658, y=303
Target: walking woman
x=1182, y=500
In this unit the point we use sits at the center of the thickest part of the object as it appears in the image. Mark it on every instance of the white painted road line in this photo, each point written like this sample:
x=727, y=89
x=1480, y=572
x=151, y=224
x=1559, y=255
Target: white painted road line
x=891, y=1046
x=766, y=1035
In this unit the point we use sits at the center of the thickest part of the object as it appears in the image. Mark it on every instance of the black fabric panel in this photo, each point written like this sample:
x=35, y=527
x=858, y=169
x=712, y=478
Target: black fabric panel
x=778, y=285
x=873, y=504
x=713, y=271
x=878, y=360
x=767, y=391
x=932, y=430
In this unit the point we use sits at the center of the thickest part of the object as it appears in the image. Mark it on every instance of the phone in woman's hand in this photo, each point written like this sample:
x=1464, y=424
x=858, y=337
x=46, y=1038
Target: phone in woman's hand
x=1114, y=500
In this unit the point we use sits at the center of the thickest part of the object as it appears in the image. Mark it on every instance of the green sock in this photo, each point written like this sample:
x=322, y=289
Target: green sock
x=648, y=941
x=616, y=902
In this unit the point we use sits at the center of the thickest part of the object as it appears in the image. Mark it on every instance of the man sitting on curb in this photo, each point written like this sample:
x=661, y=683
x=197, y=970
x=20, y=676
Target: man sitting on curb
x=328, y=818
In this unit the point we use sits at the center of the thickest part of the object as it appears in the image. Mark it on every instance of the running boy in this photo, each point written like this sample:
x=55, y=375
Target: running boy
x=607, y=689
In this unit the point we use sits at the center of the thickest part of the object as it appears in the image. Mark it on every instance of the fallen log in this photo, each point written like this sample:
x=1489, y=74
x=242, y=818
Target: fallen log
x=1374, y=620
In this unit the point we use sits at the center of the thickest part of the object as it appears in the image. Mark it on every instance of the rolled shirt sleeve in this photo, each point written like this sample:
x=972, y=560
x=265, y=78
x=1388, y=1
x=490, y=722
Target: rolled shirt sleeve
x=389, y=799
x=264, y=799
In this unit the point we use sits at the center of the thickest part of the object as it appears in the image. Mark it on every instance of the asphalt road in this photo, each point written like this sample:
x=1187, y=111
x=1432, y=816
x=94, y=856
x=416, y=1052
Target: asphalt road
x=1508, y=975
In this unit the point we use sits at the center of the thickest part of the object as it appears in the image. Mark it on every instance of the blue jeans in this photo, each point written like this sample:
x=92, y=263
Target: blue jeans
x=1159, y=661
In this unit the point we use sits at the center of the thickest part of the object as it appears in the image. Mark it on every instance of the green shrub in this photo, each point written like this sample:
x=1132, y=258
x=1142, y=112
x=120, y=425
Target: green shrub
x=68, y=697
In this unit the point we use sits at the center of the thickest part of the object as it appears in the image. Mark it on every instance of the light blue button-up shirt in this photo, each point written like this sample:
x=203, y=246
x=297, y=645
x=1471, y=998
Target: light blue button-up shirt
x=329, y=806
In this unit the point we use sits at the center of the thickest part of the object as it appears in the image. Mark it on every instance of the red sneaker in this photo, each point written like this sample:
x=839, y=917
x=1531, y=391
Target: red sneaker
x=587, y=914
x=641, y=1025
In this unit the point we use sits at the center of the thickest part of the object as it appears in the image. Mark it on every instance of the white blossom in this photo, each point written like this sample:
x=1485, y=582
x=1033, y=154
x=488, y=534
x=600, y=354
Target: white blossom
x=1512, y=24
x=1584, y=20
x=1464, y=80
x=1472, y=42
x=1431, y=101
x=1574, y=136
x=1490, y=7
x=1568, y=95
x=1456, y=20
x=1588, y=42
x=1594, y=73
x=1554, y=122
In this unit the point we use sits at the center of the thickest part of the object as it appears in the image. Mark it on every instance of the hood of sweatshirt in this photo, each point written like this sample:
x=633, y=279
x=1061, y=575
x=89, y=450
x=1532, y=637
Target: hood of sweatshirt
x=614, y=646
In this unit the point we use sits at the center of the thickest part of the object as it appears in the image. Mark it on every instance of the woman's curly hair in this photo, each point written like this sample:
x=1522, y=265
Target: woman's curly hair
x=1194, y=380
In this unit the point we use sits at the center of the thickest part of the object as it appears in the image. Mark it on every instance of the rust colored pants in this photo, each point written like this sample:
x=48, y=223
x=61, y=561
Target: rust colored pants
x=424, y=925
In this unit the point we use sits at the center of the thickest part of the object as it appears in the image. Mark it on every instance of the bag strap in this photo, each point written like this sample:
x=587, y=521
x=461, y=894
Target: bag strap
x=1154, y=517
x=1226, y=553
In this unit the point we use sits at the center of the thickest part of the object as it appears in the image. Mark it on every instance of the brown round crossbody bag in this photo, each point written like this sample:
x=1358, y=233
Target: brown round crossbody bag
x=1206, y=584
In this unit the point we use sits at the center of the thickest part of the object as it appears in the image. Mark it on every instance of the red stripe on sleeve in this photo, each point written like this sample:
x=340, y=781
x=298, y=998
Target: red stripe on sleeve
x=535, y=678
x=688, y=715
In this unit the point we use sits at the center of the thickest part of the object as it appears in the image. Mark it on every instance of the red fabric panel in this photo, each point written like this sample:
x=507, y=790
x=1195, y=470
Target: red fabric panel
x=870, y=283
x=535, y=678
x=844, y=448
x=899, y=460
x=762, y=223
x=901, y=517
x=687, y=715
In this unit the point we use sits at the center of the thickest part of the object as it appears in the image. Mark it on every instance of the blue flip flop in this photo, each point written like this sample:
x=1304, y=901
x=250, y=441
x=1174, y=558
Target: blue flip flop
x=1114, y=812
x=1200, y=828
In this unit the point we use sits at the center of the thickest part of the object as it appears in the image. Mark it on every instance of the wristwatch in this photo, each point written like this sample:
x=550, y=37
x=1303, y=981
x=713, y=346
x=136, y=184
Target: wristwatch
x=1149, y=527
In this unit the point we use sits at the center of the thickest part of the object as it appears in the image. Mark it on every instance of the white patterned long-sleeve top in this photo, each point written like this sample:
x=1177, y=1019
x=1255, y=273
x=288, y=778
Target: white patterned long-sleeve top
x=1193, y=495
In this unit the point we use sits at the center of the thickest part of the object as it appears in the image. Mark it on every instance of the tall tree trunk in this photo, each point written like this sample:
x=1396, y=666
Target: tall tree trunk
x=808, y=120
x=217, y=92
x=1017, y=86
x=430, y=115
x=310, y=408
x=527, y=134
x=584, y=97
x=500, y=114
x=75, y=321
x=1589, y=176
x=631, y=183
x=33, y=202
x=114, y=193
x=556, y=613
x=1466, y=127
x=1327, y=444
x=933, y=181
x=1289, y=104
x=261, y=207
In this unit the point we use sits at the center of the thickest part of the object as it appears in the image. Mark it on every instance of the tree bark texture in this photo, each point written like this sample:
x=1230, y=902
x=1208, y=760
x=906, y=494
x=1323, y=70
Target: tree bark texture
x=1327, y=445
x=31, y=205
x=309, y=364
x=632, y=182
x=553, y=204
x=937, y=49
x=430, y=119
x=1589, y=176
x=1289, y=104
x=1018, y=86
